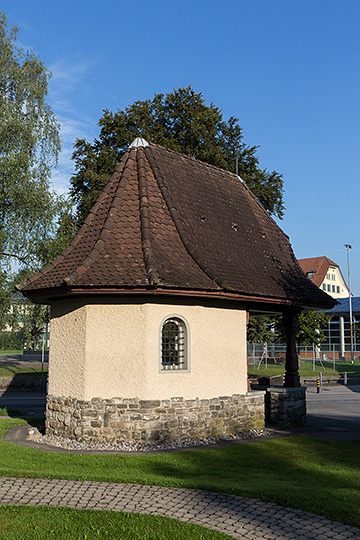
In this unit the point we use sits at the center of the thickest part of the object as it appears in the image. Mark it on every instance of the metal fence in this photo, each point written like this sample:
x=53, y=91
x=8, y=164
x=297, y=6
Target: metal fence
x=260, y=354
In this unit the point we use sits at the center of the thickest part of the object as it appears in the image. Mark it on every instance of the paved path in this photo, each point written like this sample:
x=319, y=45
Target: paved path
x=237, y=516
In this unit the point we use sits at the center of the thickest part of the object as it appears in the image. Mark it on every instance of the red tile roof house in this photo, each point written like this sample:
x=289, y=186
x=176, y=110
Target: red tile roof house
x=326, y=275
x=149, y=305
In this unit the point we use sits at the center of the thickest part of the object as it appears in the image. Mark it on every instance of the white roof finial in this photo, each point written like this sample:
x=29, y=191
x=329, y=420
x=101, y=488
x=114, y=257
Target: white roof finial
x=139, y=142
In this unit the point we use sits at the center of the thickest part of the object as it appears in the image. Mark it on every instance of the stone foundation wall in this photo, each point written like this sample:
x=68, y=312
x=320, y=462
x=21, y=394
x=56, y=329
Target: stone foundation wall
x=286, y=407
x=133, y=419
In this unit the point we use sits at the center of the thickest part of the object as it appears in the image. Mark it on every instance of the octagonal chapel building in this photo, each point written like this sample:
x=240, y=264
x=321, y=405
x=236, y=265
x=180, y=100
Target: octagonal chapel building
x=150, y=302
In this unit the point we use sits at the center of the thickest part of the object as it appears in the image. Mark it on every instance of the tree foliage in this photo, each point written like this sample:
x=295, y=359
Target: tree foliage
x=35, y=223
x=182, y=122
x=310, y=331
x=260, y=329
x=29, y=146
x=23, y=324
x=310, y=328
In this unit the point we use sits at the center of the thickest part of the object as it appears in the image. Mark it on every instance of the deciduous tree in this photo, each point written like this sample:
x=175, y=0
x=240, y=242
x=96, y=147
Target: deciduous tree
x=260, y=329
x=183, y=122
x=310, y=328
x=30, y=213
x=29, y=147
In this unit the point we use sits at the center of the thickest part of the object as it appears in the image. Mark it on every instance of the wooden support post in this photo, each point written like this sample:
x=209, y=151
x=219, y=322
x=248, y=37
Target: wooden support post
x=292, y=377
x=247, y=358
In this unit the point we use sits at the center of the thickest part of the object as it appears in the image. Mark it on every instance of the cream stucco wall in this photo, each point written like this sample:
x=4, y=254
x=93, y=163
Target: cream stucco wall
x=67, y=353
x=112, y=350
x=332, y=281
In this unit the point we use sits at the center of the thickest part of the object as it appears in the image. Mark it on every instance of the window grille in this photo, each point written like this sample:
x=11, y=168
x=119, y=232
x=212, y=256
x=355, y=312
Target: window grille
x=173, y=345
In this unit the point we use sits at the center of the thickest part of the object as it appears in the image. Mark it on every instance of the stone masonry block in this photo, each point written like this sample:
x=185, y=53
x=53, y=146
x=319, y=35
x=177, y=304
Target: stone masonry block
x=97, y=403
x=89, y=413
x=149, y=404
x=96, y=424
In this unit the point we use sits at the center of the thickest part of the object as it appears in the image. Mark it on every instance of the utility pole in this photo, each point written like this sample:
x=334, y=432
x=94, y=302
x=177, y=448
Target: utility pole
x=348, y=247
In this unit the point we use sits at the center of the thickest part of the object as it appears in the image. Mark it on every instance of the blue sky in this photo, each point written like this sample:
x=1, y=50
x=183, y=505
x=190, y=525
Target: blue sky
x=289, y=70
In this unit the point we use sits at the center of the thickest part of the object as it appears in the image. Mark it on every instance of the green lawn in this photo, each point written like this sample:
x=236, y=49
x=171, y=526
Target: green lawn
x=10, y=371
x=313, y=474
x=43, y=523
x=306, y=369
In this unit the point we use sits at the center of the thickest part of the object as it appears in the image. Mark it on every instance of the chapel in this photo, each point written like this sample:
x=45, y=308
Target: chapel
x=150, y=303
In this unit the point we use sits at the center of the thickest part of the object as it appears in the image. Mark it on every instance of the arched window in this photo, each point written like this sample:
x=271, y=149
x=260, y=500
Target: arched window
x=174, y=345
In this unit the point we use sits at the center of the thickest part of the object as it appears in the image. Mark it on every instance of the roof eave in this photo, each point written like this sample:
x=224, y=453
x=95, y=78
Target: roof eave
x=46, y=296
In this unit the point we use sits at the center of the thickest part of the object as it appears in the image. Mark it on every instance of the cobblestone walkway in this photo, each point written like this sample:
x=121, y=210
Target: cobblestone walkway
x=237, y=516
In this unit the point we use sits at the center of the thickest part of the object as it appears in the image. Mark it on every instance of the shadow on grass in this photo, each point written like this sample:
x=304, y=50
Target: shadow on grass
x=317, y=475
x=23, y=364
x=313, y=474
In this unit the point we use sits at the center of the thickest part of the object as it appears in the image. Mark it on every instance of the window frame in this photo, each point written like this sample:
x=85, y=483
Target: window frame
x=185, y=326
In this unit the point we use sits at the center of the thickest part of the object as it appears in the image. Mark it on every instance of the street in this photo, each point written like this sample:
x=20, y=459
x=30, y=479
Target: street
x=28, y=403
x=335, y=410
x=333, y=413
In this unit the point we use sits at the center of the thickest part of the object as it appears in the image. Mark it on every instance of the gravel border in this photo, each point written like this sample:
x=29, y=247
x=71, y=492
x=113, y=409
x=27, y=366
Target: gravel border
x=127, y=446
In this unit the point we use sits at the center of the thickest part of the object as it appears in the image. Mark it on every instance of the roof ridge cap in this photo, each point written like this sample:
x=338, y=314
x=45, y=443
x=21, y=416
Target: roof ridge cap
x=190, y=248
x=124, y=175
x=145, y=221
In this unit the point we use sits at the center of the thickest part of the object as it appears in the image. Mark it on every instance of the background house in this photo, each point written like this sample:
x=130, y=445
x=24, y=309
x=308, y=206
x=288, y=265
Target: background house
x=326, y=275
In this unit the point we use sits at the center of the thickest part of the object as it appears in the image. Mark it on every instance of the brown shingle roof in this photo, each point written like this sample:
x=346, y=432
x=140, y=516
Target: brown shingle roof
x=169, y=222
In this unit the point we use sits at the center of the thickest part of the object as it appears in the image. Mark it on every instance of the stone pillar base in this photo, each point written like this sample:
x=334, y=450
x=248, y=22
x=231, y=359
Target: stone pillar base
x=286, y=407
x=175, y=419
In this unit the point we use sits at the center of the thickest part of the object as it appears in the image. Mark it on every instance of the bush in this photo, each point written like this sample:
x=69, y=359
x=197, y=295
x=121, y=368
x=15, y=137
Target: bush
x=11, y=340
